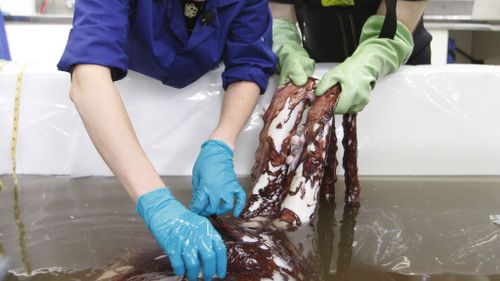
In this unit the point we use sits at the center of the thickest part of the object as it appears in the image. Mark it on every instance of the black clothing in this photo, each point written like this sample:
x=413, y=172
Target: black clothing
x=331, y=34
x=192, y=11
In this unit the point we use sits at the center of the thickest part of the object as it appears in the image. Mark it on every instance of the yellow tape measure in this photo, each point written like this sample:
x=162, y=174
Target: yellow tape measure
x=15, y=126
x=13, y=147
x=2, y=64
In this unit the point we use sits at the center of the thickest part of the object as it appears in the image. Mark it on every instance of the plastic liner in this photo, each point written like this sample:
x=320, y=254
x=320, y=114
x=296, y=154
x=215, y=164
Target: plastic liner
x=420, y=227
x=429, y=226
x=423, y=120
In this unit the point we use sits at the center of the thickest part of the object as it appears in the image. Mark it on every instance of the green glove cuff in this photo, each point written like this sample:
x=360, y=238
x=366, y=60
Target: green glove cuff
x=293, y=60
x=374, y=58
x=389, y=54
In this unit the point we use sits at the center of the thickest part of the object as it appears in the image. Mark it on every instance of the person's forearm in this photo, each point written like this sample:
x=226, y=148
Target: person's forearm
x=408, y=12
x=108, y=125
x=239, y=102
x=283, y=11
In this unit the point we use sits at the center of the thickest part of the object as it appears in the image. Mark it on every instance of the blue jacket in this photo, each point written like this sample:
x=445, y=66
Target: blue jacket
x=4, y=46
x=150, y=36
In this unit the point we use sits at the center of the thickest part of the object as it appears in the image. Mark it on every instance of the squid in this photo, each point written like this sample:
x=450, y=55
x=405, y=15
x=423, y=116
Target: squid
x=256, y=252
x=295, y=166
x=281, y=124
x=304, y=178
x=291, y=171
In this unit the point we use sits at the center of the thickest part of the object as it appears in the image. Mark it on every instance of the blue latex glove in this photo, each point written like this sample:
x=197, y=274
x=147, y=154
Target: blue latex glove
x=215, y=185
x=185, y=237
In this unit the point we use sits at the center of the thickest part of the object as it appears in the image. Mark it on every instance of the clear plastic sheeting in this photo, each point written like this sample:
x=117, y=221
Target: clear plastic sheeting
x=407, y=228
x=495, y=219
x=423, y=120
x=443, y=228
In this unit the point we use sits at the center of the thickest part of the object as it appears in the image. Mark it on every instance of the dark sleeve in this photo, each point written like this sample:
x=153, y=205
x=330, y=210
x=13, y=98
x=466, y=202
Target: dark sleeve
x=249, y=55
x=98, y=36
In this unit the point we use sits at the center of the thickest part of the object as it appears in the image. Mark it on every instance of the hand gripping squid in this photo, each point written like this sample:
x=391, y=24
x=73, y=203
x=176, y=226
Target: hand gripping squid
x=295, y=164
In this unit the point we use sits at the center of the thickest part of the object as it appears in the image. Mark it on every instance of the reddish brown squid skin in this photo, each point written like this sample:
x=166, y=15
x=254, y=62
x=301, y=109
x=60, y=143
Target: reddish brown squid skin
x=266, y=201
x=252, y=253
x=350, y=160
x=330, y=174
x=349, y=163
x=313, y=158
x=346, y=240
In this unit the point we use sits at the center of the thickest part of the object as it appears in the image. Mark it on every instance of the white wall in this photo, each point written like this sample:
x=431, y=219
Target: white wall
x=486, y=10
x=41, y=43
x=18, y=7
x=439, y=46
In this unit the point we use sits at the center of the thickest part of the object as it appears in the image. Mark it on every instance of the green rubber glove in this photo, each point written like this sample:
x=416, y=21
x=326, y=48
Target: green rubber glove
x=293, y=61
x=373, y=59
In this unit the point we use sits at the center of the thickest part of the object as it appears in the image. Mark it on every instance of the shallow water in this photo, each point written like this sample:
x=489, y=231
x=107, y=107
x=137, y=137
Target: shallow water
x=408, y=228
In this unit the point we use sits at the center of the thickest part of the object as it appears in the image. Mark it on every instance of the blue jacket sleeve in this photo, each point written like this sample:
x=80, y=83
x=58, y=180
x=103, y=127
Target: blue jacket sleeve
x=99, y=36
x=249, y=55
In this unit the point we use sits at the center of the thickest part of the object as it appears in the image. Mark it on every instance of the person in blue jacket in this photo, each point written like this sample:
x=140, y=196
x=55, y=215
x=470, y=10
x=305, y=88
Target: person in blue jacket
x=176, y=42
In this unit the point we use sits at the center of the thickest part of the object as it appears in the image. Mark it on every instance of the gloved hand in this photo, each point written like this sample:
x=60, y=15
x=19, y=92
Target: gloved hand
x=374, y=58
x=184, y=236
x=215, y=185
x=293, y=61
